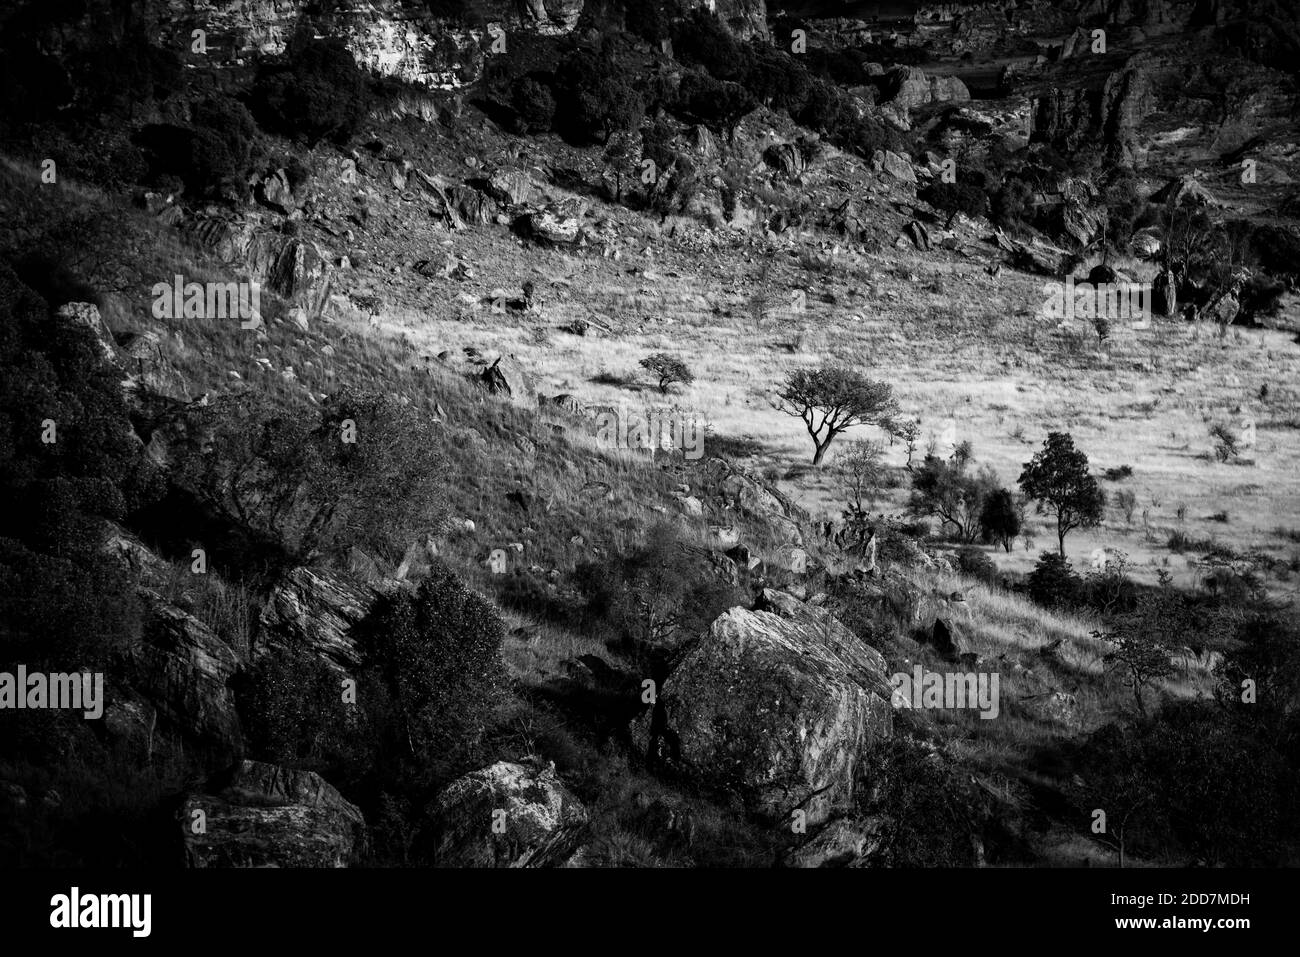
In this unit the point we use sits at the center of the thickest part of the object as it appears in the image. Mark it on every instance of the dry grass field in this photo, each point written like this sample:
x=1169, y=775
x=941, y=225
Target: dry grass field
x=969, y=355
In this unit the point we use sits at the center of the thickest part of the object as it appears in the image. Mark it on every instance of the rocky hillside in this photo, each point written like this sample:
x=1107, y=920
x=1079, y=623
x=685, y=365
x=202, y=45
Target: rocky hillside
x=315, y=320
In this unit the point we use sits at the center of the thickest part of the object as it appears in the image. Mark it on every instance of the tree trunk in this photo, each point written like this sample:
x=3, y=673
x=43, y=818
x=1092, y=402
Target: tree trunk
x=821, y=451
x=1060, y=539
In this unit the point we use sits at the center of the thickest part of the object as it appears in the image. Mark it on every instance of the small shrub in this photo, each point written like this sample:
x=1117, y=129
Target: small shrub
x=534, y=104
x=932, y=804
x=1126, y=499
x=1226, y=444
x=668, y=370
x=1054, y=583
x=973, y=562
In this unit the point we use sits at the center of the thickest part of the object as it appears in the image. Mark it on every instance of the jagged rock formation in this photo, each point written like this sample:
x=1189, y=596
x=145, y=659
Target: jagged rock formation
x=296, y=269
x=262, y=815
x=746, y=18
x=733, y=488
x=313, y=610
x=183, y=669
x=910, y=87
x=397, y=38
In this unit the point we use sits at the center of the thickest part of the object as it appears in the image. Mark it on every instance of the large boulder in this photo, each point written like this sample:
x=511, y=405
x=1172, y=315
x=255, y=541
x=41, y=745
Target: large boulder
x=314, y=610
x=275, y=193
x=744, y=19
x=775, y=705
x=507, y=815
x=899, y=167
x=907, y=87
x=1072, y=117
x=552, y=226
x=134, y=557
x=262, y=815
x=183, y=669
x=1039, y=257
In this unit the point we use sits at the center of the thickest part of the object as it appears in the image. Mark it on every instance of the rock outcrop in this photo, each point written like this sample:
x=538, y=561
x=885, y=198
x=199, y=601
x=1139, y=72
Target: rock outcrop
x=395, y=38
x=183, y=669
x=909, y=87
x=313, y=610
x=734, y=488
x=262, y=815
x=87, y=314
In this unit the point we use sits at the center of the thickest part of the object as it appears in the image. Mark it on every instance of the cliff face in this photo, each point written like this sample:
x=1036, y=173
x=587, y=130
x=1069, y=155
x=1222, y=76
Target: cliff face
x=397, y=38
x=745, y=18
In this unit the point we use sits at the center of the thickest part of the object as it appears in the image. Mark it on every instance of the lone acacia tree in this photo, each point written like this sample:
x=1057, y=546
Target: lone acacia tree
x=668, y=369
x=1057, y=480
x=832, y=399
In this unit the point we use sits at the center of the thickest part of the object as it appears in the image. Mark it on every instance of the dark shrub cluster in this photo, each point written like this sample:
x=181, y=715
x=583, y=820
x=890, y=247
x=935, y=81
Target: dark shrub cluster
x=533, y=103
x=67, y=466
x=210, y=156
x=598, y=96
x=319, y=93
x=1054, y=583
x=956, y=198
x=719, y=105
x=1191, y=783
x=432, y=674
x=974, y=562
x=368, y=473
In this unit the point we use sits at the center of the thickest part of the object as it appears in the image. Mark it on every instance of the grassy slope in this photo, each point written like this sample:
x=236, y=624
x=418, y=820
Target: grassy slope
x=957, y=345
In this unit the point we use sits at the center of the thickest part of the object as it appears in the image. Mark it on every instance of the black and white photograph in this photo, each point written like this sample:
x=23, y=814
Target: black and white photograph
x=737, y=436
